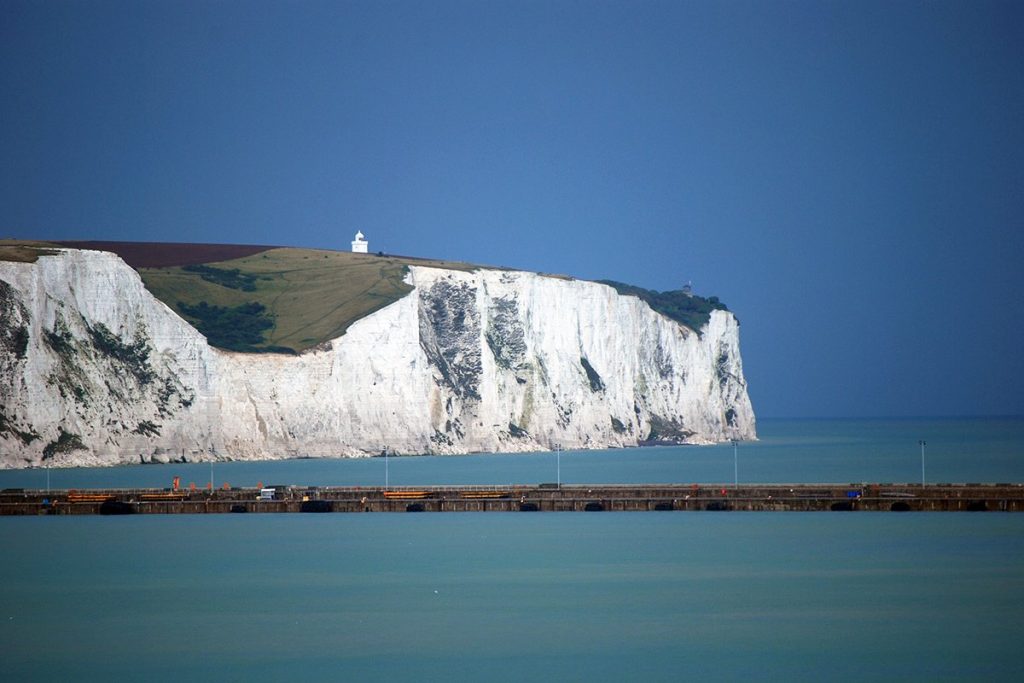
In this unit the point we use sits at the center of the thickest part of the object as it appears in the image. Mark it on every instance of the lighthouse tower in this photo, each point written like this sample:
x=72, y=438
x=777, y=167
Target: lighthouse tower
x=359, y=245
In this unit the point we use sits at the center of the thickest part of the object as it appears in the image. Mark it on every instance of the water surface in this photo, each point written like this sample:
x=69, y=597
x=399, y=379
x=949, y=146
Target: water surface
x=552, y=596
x=574, y=596
x=788, y=451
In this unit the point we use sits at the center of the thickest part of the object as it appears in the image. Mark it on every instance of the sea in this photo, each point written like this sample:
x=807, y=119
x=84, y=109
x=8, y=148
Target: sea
x=552, y=596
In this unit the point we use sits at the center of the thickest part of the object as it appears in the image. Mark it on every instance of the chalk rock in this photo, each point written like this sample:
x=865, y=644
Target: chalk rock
x=94, y=370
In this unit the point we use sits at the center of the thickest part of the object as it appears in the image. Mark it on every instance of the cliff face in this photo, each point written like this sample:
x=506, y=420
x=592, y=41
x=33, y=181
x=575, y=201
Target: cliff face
x=96, y=371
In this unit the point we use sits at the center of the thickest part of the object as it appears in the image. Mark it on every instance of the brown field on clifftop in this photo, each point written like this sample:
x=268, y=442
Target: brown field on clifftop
x=167, y=254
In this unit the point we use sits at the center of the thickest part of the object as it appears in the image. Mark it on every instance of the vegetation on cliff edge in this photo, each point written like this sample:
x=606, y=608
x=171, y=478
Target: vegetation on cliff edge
x=683, y=307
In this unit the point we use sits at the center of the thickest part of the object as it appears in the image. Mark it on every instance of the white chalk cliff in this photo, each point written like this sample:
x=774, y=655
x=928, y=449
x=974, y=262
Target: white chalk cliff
x=94, y=370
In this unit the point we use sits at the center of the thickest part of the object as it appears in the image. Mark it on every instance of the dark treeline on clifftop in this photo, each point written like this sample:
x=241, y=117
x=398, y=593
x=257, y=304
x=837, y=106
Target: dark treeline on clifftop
x=679, y=305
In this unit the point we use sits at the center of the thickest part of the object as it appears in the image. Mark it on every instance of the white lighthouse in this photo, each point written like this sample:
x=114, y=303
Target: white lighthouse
x=359, y=244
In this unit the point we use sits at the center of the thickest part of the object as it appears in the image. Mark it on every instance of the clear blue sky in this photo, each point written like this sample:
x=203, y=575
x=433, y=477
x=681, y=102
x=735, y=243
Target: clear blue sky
x=847, y=176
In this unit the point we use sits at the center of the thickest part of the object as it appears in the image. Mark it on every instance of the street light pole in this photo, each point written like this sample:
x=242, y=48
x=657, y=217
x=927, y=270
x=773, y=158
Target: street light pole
x=922, y=443
x=558, y=460
x=386, y=468
x=735, y=464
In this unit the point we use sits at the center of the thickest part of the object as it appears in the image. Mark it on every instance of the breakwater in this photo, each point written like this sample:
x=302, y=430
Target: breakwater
x=886, y=497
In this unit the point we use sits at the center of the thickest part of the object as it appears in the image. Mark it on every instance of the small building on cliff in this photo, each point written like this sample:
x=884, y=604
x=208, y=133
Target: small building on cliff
x=359, y=244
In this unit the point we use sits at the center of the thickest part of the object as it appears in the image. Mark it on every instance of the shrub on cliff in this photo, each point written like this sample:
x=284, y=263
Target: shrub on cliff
x=683, y=307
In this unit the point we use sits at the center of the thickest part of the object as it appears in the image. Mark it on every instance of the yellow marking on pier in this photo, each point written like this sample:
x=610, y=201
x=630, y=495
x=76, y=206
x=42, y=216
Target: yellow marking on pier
x=400, y=495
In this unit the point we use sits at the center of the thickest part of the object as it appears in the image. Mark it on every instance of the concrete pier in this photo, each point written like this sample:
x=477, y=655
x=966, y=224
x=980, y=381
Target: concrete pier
x=885, y=497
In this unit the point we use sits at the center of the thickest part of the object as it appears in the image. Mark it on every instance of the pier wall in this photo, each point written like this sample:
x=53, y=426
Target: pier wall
x=531, y=498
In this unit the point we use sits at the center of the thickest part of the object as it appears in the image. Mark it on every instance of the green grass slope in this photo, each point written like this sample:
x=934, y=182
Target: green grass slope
x=283, y=300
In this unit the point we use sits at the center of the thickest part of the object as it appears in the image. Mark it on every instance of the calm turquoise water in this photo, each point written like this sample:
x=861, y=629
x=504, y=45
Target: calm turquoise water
x=607, y=597
x=972, y=450
x=611, y=597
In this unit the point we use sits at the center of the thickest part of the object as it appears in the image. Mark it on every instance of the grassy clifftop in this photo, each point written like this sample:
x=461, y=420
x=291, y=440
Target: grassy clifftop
x=23, y=252
x=282, y=300
x=286, y=300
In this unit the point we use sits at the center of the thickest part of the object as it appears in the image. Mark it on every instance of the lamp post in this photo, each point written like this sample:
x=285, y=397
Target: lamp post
x=922, y=443
x=386, y=468
x=558, y=461
x=735, y=463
